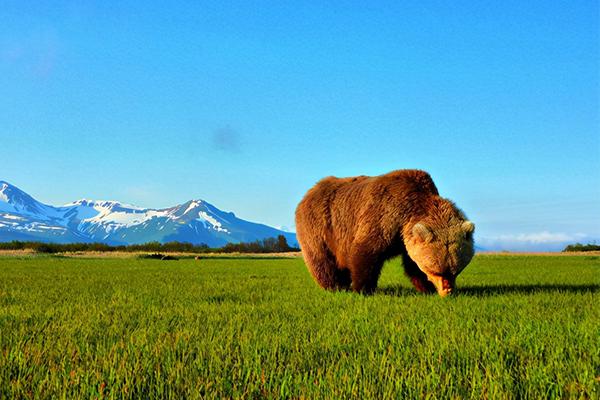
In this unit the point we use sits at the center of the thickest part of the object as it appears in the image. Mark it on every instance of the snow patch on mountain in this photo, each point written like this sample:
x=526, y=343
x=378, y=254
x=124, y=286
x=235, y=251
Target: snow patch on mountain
x=10, y=216
x=193, y=205
x=216, y=225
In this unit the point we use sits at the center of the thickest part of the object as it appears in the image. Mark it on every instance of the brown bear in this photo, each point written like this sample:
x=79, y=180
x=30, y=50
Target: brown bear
x=348, y=227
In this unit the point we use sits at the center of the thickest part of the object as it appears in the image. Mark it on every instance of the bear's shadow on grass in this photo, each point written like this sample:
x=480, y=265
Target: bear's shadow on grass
x=497, y=290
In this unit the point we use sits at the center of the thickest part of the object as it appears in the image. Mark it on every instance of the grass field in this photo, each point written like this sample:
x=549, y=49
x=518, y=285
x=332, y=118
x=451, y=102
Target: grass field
x=518, y=327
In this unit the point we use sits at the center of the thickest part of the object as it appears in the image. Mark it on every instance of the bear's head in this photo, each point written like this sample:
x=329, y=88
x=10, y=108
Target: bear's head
x=441, y=244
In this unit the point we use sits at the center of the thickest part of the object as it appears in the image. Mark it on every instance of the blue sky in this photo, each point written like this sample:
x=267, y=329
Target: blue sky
x=248, y=104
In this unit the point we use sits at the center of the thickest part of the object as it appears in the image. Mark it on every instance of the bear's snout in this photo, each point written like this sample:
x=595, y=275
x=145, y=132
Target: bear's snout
x=444, y=286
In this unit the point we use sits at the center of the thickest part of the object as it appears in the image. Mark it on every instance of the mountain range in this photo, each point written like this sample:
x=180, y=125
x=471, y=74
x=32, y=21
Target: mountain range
x=195, y=221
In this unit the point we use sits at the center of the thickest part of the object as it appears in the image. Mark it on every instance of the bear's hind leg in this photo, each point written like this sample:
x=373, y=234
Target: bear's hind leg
x=417, y=277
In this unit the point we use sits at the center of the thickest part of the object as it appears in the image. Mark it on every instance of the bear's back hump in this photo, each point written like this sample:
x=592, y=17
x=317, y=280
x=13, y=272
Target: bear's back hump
x=332, y=195
x=409, y=180
x=332, y=189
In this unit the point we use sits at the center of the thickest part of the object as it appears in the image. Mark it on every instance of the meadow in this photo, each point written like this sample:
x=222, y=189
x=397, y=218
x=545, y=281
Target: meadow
x=518, y=327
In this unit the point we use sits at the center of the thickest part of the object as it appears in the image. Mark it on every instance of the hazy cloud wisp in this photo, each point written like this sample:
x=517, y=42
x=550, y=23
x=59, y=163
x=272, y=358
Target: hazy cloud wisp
x=536, y=241
x=226, y=139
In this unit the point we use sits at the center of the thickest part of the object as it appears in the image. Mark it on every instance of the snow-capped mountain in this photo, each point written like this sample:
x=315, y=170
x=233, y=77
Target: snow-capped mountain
x=196, y=221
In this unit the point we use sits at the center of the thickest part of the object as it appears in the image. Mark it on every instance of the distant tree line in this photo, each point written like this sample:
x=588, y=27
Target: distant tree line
x=268, y=245
x=582, y=247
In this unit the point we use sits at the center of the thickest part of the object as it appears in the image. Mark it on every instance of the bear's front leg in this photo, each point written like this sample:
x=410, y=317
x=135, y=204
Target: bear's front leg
x=417, y=277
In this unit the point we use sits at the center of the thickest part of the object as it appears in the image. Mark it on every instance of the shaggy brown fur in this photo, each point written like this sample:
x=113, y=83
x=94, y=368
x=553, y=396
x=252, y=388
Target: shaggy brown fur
x=348, y=227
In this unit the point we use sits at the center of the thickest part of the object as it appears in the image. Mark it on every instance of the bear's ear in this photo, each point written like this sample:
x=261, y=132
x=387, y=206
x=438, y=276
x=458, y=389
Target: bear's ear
x=468, y=226
x=422, y=232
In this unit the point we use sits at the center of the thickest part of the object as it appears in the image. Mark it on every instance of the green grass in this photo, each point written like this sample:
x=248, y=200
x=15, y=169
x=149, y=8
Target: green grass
x=519, y=327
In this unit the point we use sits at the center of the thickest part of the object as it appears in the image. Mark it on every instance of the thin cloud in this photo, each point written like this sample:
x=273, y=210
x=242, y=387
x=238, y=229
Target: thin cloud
x=286, y=228
x=226, y=139
x=536, y=241
x=540, y=237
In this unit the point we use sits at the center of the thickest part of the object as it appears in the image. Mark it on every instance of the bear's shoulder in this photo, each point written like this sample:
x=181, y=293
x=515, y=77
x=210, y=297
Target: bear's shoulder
x=336, y=181
x=414, y=179
x=408, y=174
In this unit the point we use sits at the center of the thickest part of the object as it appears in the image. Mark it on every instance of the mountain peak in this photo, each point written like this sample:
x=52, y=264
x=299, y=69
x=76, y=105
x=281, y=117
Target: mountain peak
x=192, y=204
x=14, y=200
x=14, y=195
x=108, y=204
x=5, y=186
x=90, y=202
x=81, y=202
